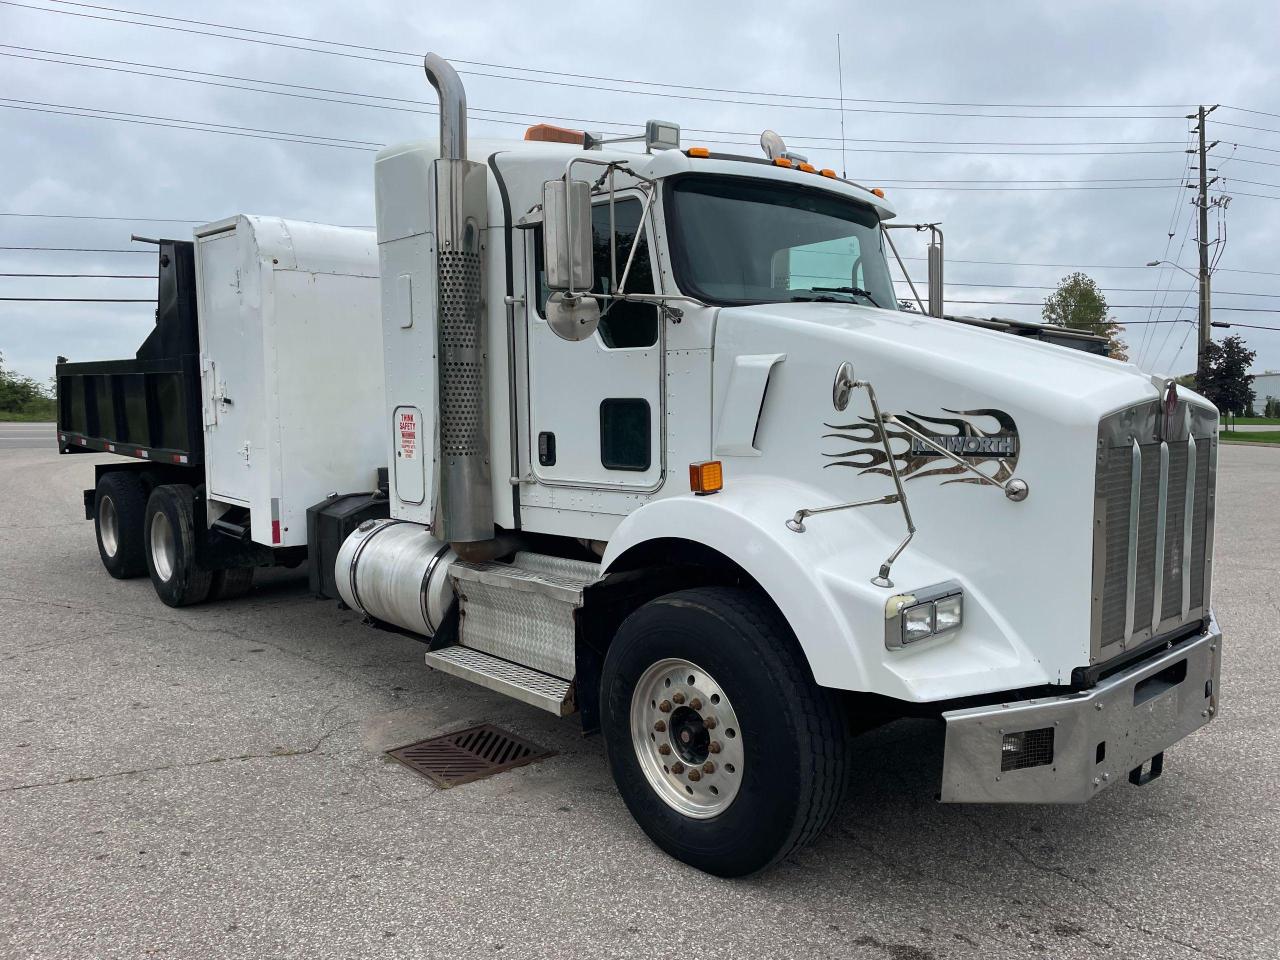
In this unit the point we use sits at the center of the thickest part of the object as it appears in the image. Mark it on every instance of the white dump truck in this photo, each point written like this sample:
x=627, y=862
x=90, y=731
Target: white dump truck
x=645, y=437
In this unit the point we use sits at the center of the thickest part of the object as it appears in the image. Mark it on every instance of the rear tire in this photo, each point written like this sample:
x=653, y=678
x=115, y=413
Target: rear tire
x=229, y=584
x=119, y=508
x=170, y=539
x=724, y=749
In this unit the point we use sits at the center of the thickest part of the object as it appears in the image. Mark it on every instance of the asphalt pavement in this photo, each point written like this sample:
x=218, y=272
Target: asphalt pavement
x=27, y=436
x=210, y=782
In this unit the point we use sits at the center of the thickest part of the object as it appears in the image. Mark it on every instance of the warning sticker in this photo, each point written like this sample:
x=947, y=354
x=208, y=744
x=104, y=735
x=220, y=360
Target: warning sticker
x=407, y=426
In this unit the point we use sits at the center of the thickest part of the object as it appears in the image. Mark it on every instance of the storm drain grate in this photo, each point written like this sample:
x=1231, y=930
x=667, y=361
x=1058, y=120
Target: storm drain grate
x=467, y=755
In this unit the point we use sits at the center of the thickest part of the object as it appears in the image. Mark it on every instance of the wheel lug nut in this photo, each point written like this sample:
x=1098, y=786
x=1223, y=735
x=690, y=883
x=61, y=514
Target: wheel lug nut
x=709, y=722
x=664, y=748
x=660, y=726
x=708, y=767
x=714, y=746
x=695, y=704
x=695, y=775
x=677, y=697
x=665, y=706
x=677, y=768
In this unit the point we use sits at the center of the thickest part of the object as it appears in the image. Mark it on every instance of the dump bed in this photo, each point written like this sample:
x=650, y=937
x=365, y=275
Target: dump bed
x=148, y=407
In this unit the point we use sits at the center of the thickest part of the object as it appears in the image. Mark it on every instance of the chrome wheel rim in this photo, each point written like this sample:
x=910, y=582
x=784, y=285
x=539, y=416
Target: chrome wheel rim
x=108, y=526
x=162, y=546
x=686, y=737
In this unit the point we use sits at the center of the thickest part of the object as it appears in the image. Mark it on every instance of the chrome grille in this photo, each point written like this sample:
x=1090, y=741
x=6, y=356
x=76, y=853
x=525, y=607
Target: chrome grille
x=1153, y=523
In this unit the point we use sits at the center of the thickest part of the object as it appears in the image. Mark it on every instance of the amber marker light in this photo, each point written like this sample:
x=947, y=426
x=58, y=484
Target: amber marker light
x=781, y=162
x=828, y=172
x=878, y=192
x=697, y=152
x=706, y=477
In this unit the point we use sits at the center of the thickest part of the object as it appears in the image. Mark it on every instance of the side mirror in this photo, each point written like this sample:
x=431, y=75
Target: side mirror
x=572, y=318
x=936, y=303
x=566, y=235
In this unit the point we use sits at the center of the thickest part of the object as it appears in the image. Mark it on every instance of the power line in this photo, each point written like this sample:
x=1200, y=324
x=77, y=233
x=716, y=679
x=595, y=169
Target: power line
x=1261, y=113
x=1116, y=306
x=423, y=107
x=86, y=216
x=194, y=125
x=98, y=276
x=84, y=250
x=78, y=300
x=1088, y=266
x=1036, y=286
x=321, y=140
x=557, y=73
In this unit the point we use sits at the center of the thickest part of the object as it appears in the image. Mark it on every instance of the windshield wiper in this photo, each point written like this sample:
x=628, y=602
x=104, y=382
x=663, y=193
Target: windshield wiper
x=852, y=291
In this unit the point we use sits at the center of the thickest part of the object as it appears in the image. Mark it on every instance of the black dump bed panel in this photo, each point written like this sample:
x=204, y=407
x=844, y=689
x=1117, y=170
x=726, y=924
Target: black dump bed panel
x=147, y=407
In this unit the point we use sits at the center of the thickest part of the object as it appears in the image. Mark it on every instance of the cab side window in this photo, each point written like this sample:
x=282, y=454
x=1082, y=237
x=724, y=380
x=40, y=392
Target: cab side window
x=622, y=324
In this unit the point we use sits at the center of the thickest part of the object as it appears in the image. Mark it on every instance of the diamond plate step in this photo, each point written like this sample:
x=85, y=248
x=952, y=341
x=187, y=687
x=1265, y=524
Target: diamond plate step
x=520, y=683
x=523, y=611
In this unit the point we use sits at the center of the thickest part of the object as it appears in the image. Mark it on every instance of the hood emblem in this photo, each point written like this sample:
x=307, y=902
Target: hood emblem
x=983, y=437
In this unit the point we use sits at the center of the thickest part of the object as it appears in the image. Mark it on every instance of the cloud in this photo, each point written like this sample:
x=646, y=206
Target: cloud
x=981, y=52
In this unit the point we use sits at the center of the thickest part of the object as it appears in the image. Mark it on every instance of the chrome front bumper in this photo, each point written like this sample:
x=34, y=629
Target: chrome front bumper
x=1066, y=749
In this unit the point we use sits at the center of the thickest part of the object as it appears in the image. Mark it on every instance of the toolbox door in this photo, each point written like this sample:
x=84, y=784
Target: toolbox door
x=231, y=375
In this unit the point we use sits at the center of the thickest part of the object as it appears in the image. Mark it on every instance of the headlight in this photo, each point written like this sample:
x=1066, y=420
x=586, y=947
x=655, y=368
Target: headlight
x=917, y=623
x=912, y=617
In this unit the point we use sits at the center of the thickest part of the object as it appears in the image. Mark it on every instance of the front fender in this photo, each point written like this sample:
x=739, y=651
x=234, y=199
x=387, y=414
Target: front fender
x=821, y=582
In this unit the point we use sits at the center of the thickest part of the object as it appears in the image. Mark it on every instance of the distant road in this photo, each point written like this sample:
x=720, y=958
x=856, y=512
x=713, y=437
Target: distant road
x=26, y=435
x=1250, y=427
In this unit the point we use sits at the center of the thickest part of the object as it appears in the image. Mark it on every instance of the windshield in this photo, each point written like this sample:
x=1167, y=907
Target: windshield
x=738, y=240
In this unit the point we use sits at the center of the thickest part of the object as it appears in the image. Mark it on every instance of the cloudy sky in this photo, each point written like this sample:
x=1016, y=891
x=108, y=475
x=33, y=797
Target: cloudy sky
x=964, y=112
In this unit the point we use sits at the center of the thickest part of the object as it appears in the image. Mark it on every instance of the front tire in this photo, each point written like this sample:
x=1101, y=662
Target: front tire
x=170, y=539
x=119, y=506
x=724, y=749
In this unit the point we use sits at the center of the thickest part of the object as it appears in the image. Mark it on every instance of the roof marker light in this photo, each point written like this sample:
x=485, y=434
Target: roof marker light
x=781, y=162
x=697, y=152
x=808, y=167
x=878, y=192
x=828, y=172
x=547, y=133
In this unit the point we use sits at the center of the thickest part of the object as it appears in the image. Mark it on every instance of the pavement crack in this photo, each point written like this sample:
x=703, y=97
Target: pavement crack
x=280, y=753
x=1090, y=891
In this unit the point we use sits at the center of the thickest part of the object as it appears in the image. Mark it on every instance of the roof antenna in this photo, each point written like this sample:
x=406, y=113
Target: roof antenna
x=844, y=165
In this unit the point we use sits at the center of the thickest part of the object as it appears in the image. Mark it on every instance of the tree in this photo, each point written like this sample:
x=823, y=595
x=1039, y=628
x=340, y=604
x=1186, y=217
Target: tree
x=1224, y=378
x=1079, y=304
x=19, y=394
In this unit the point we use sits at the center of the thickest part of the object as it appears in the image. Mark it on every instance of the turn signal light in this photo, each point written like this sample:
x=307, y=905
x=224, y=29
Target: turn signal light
x=878, y=192
x=697, y=152
x=706, y=477
x=781, y=162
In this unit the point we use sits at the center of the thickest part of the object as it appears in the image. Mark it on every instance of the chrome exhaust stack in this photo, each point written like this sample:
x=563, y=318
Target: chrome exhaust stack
x=453, y=106
x=464, y=512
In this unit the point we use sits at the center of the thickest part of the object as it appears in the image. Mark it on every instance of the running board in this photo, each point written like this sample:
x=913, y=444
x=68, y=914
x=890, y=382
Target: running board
x=520, y=683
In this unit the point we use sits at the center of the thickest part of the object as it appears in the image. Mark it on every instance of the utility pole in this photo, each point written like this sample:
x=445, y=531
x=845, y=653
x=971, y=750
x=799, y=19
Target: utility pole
x=1202, y=238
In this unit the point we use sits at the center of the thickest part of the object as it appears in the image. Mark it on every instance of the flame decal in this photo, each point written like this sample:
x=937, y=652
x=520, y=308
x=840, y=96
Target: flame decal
x=863, y=448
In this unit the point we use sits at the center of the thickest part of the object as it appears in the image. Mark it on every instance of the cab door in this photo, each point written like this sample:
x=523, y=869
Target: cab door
x=595, y=408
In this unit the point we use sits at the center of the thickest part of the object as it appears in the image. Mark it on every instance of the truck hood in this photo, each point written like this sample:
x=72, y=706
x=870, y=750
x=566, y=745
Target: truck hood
x=1012, y=407
x=983, y=360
